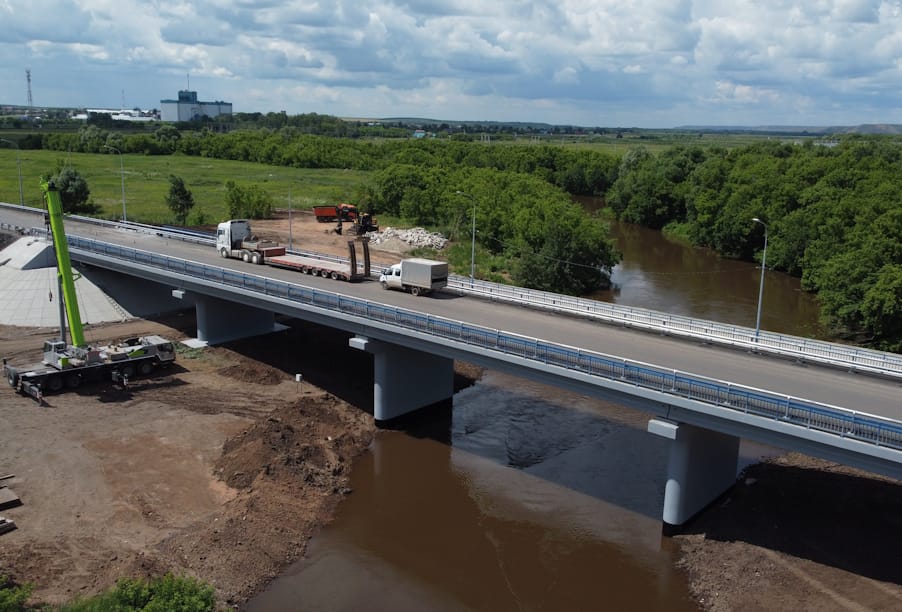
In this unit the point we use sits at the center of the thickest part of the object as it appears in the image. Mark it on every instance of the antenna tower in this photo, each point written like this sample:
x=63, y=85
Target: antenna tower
x=28, y=79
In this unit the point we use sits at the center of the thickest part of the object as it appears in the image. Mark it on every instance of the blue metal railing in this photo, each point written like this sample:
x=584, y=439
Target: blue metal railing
x=812, y=415
x=852, y=357
x=830, y=353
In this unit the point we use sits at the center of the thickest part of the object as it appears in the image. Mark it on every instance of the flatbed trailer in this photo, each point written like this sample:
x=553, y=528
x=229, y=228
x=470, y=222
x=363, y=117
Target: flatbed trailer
x=317, y=267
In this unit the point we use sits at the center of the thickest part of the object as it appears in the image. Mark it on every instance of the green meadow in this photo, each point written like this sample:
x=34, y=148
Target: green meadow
x=147, y=182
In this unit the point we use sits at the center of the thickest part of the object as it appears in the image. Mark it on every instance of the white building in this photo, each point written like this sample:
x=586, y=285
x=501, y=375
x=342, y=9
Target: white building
x=189, y=108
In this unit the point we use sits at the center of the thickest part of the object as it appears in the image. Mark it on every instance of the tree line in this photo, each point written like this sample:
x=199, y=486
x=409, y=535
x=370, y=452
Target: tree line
x=833, y=216
x=832, y=213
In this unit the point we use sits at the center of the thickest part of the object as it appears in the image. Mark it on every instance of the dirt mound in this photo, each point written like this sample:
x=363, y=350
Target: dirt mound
x=297, y=446
x=253, y=373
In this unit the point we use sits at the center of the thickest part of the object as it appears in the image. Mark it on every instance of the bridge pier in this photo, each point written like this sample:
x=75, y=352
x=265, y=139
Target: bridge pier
x=701, y=467
x=405, y=379
x=221, y=320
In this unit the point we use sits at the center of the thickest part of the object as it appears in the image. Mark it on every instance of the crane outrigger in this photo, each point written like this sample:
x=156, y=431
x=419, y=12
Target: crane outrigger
x=68, y=365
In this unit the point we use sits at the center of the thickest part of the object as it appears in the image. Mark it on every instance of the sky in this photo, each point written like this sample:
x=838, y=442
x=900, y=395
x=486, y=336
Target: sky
x=623, y=63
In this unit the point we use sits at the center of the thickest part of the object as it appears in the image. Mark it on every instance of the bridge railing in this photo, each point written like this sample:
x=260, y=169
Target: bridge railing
x=812, y=415
x=829, y=353
x=851, y=357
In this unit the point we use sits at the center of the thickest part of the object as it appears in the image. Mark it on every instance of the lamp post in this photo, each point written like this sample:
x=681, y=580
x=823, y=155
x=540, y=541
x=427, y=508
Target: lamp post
x=472, y=240
x=289, y=217
x=18, y=168
x=761, y=287
x=122, y=177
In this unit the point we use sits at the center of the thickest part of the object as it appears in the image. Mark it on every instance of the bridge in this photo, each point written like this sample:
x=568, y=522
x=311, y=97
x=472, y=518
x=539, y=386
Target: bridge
x=715, y=397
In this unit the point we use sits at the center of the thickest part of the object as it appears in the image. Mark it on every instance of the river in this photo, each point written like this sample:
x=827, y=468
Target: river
x=527, y=497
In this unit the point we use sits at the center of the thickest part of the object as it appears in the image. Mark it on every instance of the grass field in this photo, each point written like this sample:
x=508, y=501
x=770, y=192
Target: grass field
x=147, y=182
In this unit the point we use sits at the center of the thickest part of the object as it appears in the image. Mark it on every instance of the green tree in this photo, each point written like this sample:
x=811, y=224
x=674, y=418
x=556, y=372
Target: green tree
x=74, y=191
x=248, y=201
x=180, y=200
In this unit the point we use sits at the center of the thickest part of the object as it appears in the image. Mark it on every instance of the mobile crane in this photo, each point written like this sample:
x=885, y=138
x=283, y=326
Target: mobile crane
x=67, y=366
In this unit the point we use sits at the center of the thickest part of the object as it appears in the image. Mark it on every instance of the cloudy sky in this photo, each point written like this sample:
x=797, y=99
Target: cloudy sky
x=644, y=63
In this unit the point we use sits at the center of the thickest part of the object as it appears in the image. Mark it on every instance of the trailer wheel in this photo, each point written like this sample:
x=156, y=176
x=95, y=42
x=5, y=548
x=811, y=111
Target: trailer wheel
x=224, y=252
x=54, y=383
x=256, y=259
x=145, y=367
x=334, y=276
x=73, y=381
x=414, y=291
x=324, y=273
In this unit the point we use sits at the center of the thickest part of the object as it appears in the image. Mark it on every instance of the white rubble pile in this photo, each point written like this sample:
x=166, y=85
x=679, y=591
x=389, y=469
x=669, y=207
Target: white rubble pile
x=415, y=236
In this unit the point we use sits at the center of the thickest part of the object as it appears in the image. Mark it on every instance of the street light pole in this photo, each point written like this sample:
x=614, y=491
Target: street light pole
x=122, y=177
x=289, y=217
x=761, y=287
x=18, y=168
x=472, y=241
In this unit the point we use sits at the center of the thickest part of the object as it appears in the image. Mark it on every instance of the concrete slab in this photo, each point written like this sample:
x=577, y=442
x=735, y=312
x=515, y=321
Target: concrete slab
x=8, y=499
x=29, y=294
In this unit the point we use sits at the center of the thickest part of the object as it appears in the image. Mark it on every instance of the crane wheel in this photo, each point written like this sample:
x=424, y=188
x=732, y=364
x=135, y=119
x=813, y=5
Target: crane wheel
x=73, y=381
x=54, y=383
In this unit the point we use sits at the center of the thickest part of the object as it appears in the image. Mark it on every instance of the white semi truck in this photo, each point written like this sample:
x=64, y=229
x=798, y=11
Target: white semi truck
x=418, y=276
x=235, y=239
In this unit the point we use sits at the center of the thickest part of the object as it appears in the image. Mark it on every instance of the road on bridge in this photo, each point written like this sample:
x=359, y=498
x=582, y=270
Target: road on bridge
x=807, y=381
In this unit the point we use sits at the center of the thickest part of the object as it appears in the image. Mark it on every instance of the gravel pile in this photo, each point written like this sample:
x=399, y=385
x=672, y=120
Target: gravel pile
x=416, y=237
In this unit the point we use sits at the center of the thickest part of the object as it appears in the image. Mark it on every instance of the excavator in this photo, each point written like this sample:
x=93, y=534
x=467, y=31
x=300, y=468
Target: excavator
x=67, y=366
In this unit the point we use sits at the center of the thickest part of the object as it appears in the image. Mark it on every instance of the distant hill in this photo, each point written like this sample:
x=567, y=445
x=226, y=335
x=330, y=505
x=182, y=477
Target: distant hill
x=870, y=128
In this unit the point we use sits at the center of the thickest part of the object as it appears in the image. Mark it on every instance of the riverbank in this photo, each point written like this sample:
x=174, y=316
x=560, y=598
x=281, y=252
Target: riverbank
x=224, y=467
x=798, y=533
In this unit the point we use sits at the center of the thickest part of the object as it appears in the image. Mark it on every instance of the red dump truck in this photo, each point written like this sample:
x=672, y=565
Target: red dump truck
x=345, y=212
x=234, y=239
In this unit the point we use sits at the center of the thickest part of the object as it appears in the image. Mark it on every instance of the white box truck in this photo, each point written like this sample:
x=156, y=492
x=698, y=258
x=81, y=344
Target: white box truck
x=418, y=276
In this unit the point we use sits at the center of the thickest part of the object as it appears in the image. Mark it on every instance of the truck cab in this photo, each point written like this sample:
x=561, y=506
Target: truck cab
x=235, y=239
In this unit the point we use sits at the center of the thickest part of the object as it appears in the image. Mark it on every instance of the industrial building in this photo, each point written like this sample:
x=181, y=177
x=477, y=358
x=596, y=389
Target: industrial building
x=189, y=108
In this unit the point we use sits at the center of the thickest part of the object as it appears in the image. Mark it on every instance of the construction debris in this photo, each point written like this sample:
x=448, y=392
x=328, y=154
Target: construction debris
x=415, y=236
x=6, y=525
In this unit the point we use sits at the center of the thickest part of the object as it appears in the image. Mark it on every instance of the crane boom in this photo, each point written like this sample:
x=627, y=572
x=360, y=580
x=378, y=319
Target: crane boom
x=64, y=263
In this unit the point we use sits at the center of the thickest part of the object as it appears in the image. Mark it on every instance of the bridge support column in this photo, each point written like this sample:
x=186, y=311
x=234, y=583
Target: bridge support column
x=405, y=379
x=701, y=467
x=220, y=320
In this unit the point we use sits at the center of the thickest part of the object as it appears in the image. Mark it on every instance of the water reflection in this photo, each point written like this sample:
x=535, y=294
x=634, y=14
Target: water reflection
x=659, y=274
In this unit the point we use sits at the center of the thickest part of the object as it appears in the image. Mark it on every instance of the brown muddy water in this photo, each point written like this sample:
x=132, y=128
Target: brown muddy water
x=527, y=497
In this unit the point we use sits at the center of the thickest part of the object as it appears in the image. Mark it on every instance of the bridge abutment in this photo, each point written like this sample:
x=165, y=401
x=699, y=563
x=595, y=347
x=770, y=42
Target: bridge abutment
x=405, y=379
x=221, y=320
x=701, y=467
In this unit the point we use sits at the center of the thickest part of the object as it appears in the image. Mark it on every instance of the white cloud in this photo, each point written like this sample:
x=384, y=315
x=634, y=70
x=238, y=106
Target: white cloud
x=590, y=62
